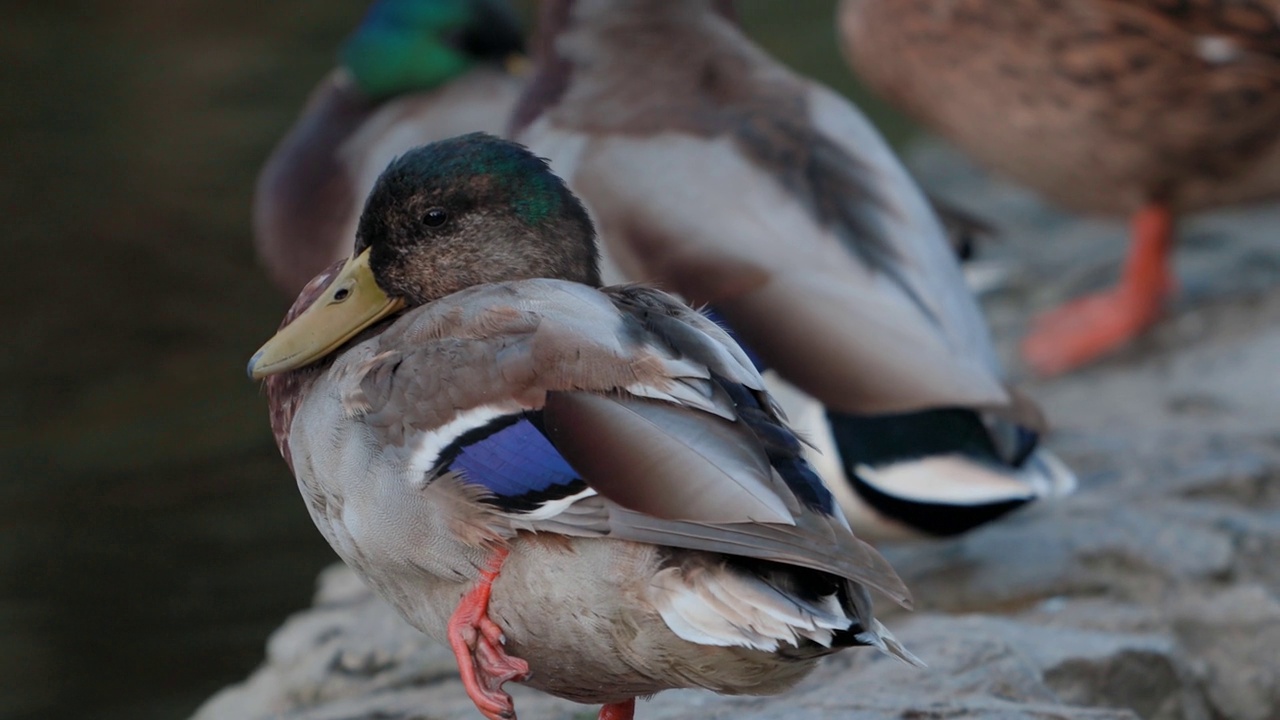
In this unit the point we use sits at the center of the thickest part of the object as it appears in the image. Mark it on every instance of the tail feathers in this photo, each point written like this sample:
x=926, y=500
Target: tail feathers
x=938, y=473
x=716, y=605
x=962, y=480
x=879, y=637
x=953, y=480
x=937, y=496
x=1050, y=477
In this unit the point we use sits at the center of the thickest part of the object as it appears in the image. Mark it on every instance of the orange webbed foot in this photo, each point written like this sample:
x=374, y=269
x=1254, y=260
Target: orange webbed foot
x=1083, y=330
x=477, y=644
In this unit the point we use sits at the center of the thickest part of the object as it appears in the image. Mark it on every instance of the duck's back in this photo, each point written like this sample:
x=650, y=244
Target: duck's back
x=717, y=173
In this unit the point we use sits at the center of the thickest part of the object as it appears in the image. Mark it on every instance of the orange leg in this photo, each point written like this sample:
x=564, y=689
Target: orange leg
x=618, y=711
x=477, y=644
x=1082, y=330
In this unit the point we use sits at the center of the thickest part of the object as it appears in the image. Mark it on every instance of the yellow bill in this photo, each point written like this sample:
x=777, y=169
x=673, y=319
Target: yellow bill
x=351, y=303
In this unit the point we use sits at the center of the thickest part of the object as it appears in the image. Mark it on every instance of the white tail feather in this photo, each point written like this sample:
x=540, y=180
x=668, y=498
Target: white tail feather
x=720, y=606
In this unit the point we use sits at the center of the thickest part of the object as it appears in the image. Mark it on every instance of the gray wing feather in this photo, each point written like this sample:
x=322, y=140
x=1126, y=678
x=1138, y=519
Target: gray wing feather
x=665, y=460
x=624, y=378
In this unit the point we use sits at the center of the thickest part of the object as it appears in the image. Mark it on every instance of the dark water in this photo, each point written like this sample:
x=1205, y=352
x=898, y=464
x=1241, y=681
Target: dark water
x=150, y=536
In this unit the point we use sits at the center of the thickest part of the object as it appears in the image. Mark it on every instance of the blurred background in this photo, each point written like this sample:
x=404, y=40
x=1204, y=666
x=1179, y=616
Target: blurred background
x=150, y=535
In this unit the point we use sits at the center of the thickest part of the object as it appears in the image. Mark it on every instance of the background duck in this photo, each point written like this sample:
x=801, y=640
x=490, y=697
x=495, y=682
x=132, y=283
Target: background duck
x=414, y=71
x=1143, y=109
x=717, y=173
x=584, y=489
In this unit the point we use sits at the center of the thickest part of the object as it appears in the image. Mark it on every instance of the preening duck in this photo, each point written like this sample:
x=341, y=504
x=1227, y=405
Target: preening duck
x=586, y=489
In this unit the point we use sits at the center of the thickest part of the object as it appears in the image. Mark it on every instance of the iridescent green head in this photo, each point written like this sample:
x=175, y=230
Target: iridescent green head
x=413, y=45
x=469, y=210
x=442, y=218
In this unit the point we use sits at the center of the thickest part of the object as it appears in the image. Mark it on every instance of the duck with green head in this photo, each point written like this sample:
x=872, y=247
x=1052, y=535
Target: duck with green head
x=414, y=71
x=585, y=489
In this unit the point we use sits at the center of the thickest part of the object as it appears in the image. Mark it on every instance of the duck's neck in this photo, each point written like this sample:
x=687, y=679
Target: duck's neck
x=286, y=390
x=554, y=69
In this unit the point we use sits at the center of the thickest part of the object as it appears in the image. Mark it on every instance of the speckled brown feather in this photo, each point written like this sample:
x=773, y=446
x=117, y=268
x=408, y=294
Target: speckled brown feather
x=1101, y=105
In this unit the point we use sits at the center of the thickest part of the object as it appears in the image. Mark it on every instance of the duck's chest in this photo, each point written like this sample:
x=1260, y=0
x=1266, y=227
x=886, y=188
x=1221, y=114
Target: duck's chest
x=373, y=502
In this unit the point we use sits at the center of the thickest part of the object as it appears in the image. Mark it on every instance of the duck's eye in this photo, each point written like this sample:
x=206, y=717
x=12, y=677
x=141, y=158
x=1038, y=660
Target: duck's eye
x=435, y=217
x=341, y=294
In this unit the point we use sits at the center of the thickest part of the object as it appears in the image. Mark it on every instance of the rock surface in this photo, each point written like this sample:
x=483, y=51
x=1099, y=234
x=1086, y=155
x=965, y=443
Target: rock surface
x=1153, y=593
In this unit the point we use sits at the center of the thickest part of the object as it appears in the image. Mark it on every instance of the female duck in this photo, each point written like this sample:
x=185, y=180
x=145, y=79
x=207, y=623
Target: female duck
x=584, y=489
x=413, y=72
x=1145, y=109
x=714, y=171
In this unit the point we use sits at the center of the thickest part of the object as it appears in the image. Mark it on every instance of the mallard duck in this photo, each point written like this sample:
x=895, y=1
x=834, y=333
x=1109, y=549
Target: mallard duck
x=414, y=71
x=585, y=489
x=717, y=173
x=1145, y=109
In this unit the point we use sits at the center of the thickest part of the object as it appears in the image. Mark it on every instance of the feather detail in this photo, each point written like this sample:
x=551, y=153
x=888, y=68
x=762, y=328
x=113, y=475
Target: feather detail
x=662, y=460
x=839, y=554
x=723, y=485
x=719, y=606
x=878, y=636
x=470, y=520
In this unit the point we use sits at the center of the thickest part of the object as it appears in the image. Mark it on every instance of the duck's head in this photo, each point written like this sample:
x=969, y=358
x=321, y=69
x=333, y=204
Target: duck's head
x=441, y=218
x=415, y=45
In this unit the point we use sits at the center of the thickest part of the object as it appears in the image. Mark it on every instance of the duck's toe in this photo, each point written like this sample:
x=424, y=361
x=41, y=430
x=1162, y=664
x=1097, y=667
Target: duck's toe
x=477, y=644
